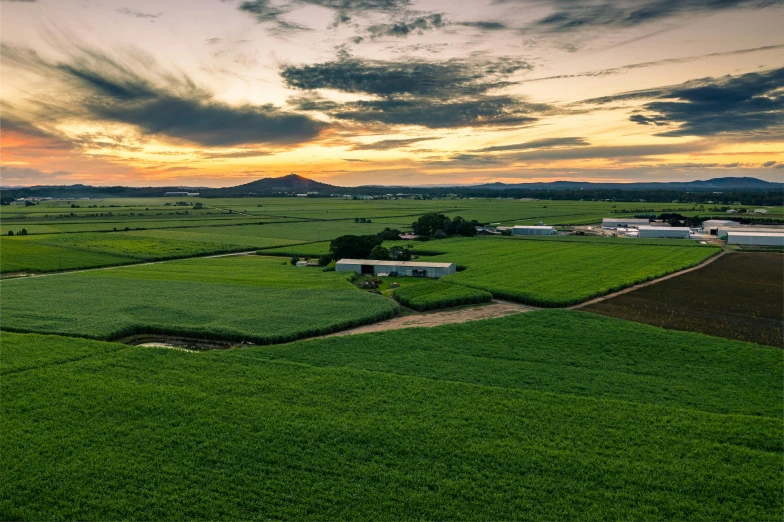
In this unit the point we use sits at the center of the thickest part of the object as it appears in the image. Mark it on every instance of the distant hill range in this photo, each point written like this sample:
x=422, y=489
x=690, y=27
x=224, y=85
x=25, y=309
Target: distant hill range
x=765, y=192
x=708, y=185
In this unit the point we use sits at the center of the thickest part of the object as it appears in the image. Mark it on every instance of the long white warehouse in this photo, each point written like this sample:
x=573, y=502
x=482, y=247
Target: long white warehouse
x=755, y=238
x=538, y=230
x=402, y=268
x=613, y=223
x=664, y=232
x=721, y=232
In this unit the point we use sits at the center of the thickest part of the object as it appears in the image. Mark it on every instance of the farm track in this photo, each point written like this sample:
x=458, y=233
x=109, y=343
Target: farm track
x=496, y=308
x=648, y=283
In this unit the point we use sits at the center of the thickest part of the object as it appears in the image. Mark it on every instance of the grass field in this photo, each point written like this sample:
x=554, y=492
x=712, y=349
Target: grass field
x=551, y=415
x=557, y=273
x=241, y=298
x=432, y=295
x=739, y=296
x=51, y=252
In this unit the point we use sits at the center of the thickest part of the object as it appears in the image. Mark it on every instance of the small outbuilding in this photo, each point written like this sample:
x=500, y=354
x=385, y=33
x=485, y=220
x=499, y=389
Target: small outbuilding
x=613, y=223
x=539, y=230
x=755, y=238
x=664, y=232
x=401, y=268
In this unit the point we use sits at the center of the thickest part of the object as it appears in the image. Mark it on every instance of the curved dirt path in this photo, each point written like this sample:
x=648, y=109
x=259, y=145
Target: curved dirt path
x=648, y=283
x=495, y=308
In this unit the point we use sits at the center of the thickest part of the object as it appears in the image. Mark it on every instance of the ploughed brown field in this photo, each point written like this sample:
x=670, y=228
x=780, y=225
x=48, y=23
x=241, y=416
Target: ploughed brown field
x=740, y=296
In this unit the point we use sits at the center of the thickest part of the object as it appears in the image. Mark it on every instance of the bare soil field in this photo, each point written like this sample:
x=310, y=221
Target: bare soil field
x=739, y=296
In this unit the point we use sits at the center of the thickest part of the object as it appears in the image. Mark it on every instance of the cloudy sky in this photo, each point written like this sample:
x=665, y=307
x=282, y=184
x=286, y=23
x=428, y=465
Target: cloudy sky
x=351, y=92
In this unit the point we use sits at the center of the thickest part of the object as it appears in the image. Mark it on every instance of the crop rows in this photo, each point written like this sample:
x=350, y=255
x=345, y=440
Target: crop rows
x=552, y=415
x=250, y=298
x=434, y=295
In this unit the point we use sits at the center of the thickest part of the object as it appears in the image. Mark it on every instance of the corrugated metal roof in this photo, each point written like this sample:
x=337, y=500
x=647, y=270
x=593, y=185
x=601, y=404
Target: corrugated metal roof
x=539, y=227
x=666, y=229
x=394, y=263
x=626, y=220
x=764, y=234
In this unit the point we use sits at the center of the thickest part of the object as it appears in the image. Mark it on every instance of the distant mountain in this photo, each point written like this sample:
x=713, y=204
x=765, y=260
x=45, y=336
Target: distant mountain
x=710, y=185
x=286, y=184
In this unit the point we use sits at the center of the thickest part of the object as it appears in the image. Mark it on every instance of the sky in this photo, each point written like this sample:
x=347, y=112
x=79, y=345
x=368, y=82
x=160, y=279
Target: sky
x=394, y=92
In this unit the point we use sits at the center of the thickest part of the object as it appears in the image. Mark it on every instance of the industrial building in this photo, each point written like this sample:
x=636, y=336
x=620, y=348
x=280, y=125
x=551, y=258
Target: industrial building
x=712, y=225
x=721, y=232
x=738, y=237
x=613, y=223
x=401, y=268
x=664, y=232
x=539, y=230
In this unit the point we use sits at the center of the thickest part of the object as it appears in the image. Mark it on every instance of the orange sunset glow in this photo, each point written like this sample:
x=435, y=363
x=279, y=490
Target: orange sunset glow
x=405, y=92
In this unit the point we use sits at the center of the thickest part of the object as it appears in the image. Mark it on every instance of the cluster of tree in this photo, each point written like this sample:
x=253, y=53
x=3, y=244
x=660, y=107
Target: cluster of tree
x=22, y=232
x=395, y=253
x=439, y=226
x=362, y=220
x=366, y=247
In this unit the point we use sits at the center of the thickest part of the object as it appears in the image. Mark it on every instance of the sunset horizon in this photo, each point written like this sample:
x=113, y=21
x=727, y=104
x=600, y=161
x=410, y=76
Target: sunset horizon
x=390, y=92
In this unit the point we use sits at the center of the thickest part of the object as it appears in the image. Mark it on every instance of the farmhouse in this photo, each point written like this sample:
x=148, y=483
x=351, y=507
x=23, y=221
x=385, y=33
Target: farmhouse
x=402, y=268
x=712, y=225
x=533, y=231
x=613, y=223
x=664, y=232
x=755, y=238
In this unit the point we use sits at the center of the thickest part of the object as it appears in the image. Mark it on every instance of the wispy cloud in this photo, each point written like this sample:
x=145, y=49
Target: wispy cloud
x=138, y=14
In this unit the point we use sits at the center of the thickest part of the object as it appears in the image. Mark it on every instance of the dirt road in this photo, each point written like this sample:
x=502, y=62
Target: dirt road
x=493, y=309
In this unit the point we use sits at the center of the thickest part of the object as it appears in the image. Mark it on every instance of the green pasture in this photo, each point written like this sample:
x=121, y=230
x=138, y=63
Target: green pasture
x=432, y=295
x=247, y=298
x=550, y=415
x=556, y=273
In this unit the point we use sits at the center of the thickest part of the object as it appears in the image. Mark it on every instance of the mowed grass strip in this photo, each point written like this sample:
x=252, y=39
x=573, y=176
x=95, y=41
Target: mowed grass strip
x=739, y=296
x=557, y=273
x=433, y=295
x=372, y=427
x=239, y=298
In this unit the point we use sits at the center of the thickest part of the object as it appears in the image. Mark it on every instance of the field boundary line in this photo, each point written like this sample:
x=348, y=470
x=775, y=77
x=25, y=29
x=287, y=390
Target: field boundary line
x=648, y=283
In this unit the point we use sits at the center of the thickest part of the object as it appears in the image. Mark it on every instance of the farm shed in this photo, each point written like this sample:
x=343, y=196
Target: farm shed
x=402, y=268
x=533, y=231
x=664, y=232
x=612, y=223
x=755, y=238
x=712, y=225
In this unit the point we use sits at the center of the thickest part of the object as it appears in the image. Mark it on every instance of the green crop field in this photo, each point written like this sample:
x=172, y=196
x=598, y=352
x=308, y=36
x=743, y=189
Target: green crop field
x=432, y=295
x=551, y=415
x=48, y=252
x=242, y=298
x=557, y=273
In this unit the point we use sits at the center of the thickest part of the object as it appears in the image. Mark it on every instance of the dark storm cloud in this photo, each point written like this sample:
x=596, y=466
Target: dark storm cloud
x=484, y=26
x=98, y=87
x=547, y=143
x=769, y=164
x=485, y=111
x=391, y=144
x=710, y=106
x=403, y=29
x=575, y=15
x=138, y=14
x=265, y=11
x=447, y=94
x=442, y=80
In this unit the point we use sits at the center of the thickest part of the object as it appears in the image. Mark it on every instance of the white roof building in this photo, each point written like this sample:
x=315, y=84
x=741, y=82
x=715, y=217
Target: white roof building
x=538, y=230
x=664, y=232
x=402, y=268
x=755, y=238
x=612, y=223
